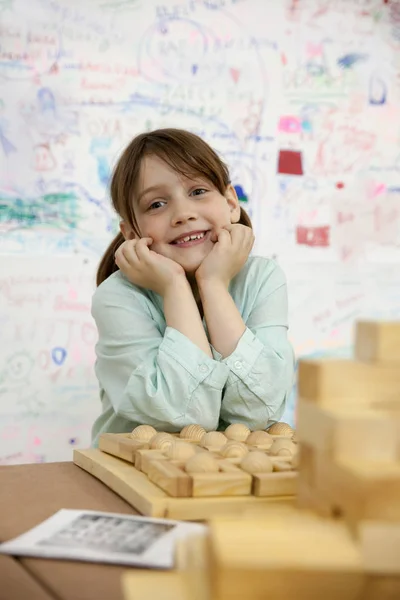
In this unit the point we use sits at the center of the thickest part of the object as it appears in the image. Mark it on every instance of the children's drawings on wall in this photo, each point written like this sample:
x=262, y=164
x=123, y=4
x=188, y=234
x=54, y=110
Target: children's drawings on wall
x=49, y=397
x=299, y=98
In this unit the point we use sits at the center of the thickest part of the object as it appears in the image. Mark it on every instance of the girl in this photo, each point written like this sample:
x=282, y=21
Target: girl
x=191, y=329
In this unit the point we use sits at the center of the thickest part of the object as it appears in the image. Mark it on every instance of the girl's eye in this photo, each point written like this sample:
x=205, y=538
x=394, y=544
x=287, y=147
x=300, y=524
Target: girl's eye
x=198, y=191
x=155, y=205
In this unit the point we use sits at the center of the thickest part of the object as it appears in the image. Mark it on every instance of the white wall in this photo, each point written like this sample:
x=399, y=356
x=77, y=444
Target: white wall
x=300, y=98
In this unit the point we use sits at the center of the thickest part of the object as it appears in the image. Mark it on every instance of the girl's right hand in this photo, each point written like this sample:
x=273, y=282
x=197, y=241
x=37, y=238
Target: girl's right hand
x=146, y=268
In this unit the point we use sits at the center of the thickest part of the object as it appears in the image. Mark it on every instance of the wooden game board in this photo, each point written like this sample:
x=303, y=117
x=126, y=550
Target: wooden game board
x=158, y=487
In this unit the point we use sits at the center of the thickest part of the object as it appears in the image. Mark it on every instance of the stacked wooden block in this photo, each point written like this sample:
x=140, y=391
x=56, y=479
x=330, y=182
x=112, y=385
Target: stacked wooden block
x=349, y=432
x=343, y=541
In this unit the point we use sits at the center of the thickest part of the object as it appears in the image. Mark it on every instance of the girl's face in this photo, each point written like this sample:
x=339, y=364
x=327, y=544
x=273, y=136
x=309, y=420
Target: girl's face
x=169, y=207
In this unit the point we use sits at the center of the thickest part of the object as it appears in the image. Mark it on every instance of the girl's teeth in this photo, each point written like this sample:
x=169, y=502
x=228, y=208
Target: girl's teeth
x=190, y=238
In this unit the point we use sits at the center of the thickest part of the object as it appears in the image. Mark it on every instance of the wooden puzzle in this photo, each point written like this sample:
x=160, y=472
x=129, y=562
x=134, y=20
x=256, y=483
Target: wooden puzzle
x=234, y=467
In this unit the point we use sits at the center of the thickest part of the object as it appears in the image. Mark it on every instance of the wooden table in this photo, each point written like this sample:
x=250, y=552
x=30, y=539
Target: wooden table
x=28, y=495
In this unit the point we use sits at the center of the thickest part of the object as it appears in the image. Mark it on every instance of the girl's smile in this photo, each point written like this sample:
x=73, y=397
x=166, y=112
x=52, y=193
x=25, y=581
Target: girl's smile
x=192, y=238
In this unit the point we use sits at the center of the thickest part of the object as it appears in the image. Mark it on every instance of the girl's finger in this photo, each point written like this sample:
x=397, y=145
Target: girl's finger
x=121, y=260
x=142, y=248
x=146, y=240
x=128, y=249
x=238, y=236
x=224, y=237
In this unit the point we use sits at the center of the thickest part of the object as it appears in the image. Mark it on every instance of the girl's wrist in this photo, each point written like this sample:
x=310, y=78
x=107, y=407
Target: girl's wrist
x=176, y=284
x=206, y=283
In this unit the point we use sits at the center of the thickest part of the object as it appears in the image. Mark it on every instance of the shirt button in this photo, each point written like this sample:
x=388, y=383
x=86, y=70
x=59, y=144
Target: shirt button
x=203, y=368
x=237, y=364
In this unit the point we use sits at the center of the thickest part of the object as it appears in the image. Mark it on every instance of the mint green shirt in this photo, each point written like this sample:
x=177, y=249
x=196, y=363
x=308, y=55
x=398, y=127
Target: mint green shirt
x=150, y=373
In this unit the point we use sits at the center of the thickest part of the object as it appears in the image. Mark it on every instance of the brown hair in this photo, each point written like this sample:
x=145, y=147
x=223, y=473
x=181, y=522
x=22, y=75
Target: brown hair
x=185, y=152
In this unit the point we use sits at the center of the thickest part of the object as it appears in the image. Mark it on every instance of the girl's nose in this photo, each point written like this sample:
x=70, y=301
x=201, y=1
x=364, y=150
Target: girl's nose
x=183, y=211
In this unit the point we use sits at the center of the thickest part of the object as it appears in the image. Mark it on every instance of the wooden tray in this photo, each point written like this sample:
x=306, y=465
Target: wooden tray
x=150, y=500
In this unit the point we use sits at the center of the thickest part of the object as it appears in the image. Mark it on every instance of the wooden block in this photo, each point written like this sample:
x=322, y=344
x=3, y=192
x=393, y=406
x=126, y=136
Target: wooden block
x=146, y=585
x=328, y=381
x=379, y=545
x=308, y=494
x=143, y=458
x=189, y=581
x=284, y=557
x=308, y=498
x=349, y=431
x=377, y=341
x=275, y=484
x=121, y=445
x=170, y=478
x=307, y=464
x=227, y=483
x=360, y=490
x=378, y=587
x=192, y=561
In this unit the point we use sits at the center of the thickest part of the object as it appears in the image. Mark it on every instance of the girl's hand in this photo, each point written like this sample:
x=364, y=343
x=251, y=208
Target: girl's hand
x=228, y=255
x=146, y=268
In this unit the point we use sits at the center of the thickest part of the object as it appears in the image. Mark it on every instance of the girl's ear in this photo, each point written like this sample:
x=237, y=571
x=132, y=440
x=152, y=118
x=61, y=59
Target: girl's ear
x=233, y=202
x=127, y=231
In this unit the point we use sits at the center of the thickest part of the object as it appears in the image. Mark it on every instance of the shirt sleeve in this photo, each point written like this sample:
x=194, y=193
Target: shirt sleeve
x=261, y=368
x=158, y=378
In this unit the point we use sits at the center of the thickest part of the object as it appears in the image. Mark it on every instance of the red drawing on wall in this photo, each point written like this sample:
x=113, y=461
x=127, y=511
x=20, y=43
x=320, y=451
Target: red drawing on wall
x=235, y=74
x=43, y=159
x=290, y=162
x=313, y=236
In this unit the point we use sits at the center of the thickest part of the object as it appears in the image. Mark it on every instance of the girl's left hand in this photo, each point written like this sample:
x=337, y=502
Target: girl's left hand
x=229, y=254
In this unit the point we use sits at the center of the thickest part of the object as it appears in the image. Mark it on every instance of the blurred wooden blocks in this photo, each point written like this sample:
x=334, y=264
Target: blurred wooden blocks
x=362, y=490
x=331, y=380
x=377, y=341
x=295, y=556
x=381, y=587
x=379, y=545
x=287, y=554
x=149, y=585
x=348, y=431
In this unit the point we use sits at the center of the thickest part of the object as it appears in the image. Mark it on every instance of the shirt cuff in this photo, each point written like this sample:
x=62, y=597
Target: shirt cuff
x=243, y=358
x=193, y=359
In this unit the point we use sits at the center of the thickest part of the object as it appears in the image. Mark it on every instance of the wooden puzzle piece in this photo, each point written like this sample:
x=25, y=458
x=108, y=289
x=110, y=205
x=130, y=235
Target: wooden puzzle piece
x=229, y=481
x=121, y=445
